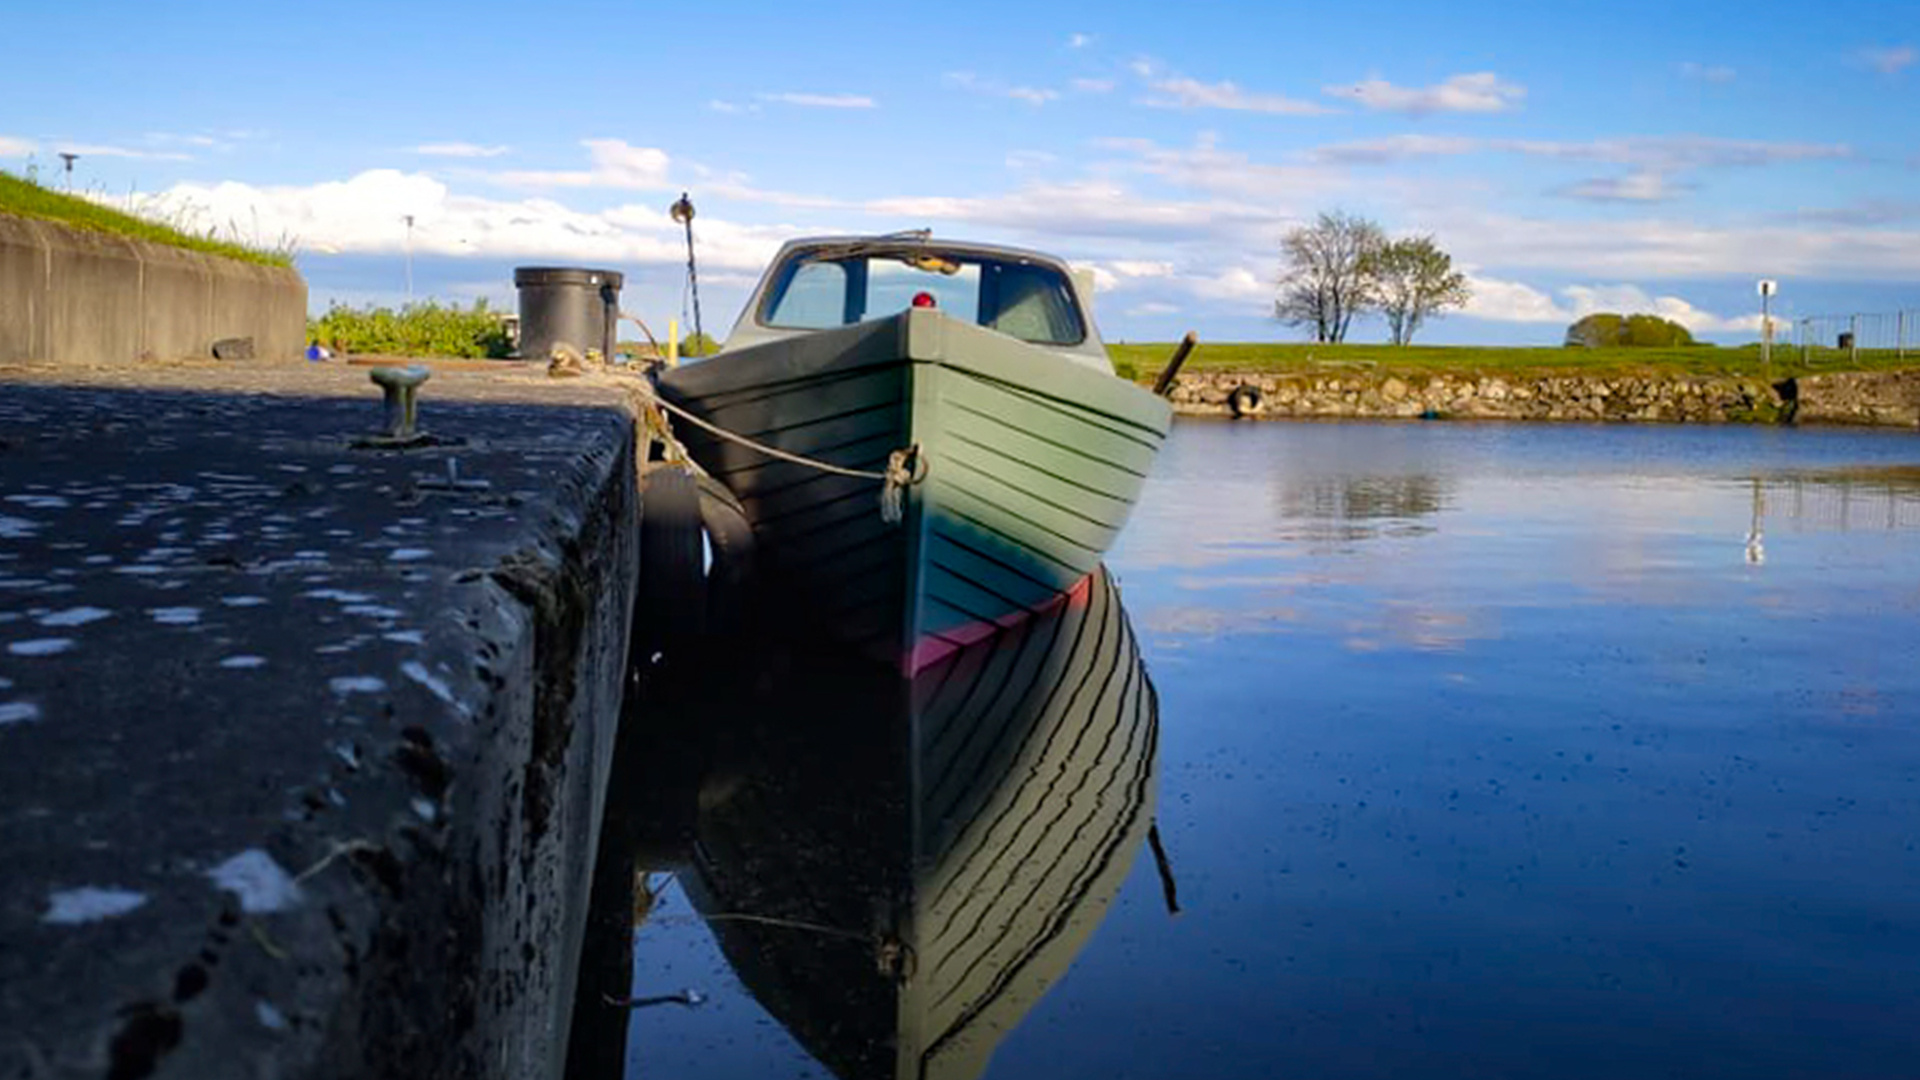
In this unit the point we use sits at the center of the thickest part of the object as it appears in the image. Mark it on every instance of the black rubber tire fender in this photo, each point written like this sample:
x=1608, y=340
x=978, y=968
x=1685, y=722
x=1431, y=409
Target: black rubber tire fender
x=731, y=541
x=1245, y=400
x=673, y=586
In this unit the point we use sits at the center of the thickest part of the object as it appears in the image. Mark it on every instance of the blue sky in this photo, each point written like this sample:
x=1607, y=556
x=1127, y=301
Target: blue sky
x=1571, y=157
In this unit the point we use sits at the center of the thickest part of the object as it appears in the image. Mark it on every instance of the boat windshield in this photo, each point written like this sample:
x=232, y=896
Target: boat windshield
x=817, y=290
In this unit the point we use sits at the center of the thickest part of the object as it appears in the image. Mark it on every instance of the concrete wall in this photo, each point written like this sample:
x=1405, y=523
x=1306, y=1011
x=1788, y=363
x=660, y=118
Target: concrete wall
x=70, y=296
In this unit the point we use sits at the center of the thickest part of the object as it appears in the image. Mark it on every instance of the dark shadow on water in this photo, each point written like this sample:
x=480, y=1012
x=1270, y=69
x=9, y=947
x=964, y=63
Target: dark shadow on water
x=895, y=869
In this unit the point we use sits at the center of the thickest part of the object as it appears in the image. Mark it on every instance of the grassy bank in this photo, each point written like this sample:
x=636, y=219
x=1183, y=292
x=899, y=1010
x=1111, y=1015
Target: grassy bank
x=1146, y=360
x=25, y=198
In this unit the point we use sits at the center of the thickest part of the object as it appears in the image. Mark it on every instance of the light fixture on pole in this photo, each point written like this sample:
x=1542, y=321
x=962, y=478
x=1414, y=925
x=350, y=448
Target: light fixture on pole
x=408, y=218
x=682, y=212
x=69, y=158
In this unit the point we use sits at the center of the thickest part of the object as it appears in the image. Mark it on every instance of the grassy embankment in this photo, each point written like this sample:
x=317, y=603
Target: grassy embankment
x=23, y=197
x=1145, y=361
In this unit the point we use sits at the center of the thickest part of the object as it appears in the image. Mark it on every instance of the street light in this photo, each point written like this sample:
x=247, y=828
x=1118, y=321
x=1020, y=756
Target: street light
x=409, y=220
x=69, y=158
x=682, y=212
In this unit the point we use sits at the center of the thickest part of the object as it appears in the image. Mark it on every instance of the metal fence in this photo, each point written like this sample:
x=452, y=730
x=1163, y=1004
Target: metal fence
x=1881, y=335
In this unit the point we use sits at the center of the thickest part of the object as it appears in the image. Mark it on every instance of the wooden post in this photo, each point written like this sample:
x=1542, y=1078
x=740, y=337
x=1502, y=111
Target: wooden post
x=1164, y=383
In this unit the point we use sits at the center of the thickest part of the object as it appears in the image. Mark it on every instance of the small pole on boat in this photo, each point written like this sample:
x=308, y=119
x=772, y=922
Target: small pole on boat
x=1180, y=353
x=682, y=212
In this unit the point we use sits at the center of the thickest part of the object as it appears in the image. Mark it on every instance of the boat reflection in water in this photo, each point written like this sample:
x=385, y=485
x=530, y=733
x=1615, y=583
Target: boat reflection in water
x=898, y=869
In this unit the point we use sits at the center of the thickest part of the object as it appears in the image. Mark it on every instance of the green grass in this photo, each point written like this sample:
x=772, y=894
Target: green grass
x=424, y=329
x=25, y=198
x=1425, y=361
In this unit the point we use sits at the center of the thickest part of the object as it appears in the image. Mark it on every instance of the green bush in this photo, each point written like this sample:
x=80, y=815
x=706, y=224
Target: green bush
x=423, y=329
x=1605, y=330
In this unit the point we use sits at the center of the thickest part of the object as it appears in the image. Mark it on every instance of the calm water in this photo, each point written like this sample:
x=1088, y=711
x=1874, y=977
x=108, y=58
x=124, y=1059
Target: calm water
x=1485, y=751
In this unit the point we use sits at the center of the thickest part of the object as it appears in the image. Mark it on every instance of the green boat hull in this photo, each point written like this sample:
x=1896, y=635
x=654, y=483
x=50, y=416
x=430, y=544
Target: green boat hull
x=1027, y=467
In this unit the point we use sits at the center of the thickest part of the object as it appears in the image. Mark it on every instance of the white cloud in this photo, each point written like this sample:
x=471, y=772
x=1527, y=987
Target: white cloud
x=1119, y=273
x=968, y=81
x=1237, y=284
x=615, y=164
x=1275, y=191
x=1676, y=247
x=823, y=101
x=1667, y=153
x=1633, y=300
x=1079, y=41
x=1478, y=92
x=87, y=150
x=1182, y=93
x=732, y=107
x=1030, y=159
x=1393, y=148
x=13, y=146
x=1633, y=187
x=1713, y=73
x=364, y=214
x=1512, y=301
x=1033, y=95
x=459, y=150
x=1092, y=86
x=1080, y=210
x=1664, y=153
x=1154, y=307
x=1140, y=268
x=1889, y=61
x=203, y=142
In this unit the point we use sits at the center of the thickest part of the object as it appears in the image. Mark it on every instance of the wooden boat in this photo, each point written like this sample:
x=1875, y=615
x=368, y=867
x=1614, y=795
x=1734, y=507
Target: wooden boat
x=1026, y=453
x=898, y=894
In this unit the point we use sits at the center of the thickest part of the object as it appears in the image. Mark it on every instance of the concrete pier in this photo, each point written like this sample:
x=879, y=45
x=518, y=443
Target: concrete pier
x=302, y=743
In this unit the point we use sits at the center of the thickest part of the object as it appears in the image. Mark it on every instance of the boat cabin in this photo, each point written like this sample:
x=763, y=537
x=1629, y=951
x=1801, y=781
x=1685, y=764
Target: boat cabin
x=825, y=283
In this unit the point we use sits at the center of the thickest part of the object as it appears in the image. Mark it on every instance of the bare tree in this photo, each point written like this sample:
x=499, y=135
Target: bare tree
x=1328, y=279
x=1414, y=281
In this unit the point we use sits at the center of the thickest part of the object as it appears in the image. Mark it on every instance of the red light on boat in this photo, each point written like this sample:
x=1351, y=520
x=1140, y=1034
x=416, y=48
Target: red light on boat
x=923, y=299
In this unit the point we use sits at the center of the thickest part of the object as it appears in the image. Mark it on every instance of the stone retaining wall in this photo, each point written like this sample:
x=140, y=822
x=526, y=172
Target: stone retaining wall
x=1562, y=397
x=72, y=296
x=1861, y=397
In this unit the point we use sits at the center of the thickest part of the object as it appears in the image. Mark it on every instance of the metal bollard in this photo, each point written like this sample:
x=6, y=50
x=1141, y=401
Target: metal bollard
x=401, y=385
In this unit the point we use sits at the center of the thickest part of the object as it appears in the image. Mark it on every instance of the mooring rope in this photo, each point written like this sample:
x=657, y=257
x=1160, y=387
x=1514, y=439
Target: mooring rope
x=904, y=466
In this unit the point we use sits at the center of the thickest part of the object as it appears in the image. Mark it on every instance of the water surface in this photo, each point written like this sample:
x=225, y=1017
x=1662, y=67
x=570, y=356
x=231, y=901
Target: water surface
x=1488, y=750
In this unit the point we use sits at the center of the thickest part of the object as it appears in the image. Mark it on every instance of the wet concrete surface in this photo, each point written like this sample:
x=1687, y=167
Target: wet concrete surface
x=302, y=744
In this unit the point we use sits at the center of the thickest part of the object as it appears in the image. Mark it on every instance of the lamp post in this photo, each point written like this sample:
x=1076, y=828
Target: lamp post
x=69, y=158
x=682, y=212
x=408, y=218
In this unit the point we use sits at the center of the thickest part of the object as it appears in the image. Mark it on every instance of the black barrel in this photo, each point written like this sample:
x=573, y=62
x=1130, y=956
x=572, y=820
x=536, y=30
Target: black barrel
x=563, y=305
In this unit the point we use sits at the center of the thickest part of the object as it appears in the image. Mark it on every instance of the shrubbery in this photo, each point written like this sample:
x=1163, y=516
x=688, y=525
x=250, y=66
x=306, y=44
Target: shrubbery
x=1603, y=330
x=423, y=329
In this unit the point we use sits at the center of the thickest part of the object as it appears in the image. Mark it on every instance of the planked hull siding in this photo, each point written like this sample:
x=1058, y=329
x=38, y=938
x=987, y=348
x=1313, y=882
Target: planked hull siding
x=1032, y=465
x=1036, y=771
x=989, y=845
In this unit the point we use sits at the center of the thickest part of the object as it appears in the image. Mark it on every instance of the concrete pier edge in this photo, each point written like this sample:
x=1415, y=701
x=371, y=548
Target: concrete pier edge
x=341, y=819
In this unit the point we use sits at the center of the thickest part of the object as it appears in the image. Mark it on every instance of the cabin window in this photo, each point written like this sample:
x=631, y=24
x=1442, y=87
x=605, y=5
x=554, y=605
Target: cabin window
x=1030, y=301
x=813, y=296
